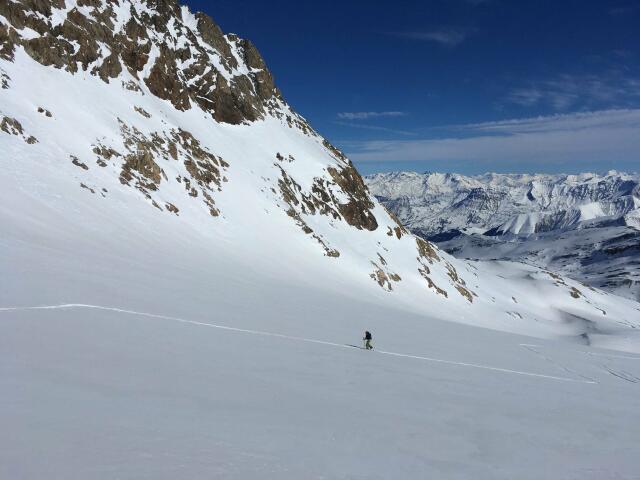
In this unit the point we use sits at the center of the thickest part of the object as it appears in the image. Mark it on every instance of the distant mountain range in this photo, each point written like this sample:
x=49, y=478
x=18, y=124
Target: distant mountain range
x=586, y=226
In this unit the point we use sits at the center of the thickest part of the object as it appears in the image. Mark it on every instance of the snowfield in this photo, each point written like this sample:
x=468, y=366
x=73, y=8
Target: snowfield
x=101, y=394
x=181, y=290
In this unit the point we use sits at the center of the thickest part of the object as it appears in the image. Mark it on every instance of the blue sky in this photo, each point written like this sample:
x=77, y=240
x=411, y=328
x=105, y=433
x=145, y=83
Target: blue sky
x=457, y=85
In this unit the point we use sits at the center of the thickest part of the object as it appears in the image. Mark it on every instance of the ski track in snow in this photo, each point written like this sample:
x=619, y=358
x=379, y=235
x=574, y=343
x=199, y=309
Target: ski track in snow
x=608, y=355
x=289, y=337
x=534, y=349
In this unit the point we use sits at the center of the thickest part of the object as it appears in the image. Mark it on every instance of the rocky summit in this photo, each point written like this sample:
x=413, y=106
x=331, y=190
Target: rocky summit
x=180, y=57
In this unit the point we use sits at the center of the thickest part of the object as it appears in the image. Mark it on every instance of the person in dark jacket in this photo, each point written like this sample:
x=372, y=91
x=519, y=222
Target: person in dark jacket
x=367, y=340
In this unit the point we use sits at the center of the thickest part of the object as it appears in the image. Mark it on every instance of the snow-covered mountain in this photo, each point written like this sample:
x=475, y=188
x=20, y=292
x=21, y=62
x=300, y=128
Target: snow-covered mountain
x=185, y=261
x=127, y=121
x=585, y=226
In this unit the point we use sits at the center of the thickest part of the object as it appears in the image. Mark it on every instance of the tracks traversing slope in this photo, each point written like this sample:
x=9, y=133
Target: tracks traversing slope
x=299, y=339
x=534, y=349
x=601, y=357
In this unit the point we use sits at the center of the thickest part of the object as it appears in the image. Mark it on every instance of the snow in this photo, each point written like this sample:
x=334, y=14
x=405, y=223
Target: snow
x=523, y=224
x=59, y=15
x=140, y=397
x=121, y=15
x=189, y=19
x=632, y=219
x=153, y=55
x=589, y=211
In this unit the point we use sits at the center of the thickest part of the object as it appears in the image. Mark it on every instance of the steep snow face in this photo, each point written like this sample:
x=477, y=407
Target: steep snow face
x=182, y=182
x=584, y=226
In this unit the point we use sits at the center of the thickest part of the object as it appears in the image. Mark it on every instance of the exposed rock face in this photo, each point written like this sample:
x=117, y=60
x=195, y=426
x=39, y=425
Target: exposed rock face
x=204, y=170
x=382, y=275
x=78, y=163
x=321, y=200
x=357, y=212
x=4, y=78
x=11, y=126
x=181, y=57
x=14, y=127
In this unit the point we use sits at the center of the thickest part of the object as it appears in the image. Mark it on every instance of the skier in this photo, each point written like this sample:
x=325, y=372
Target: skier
x=367, y=341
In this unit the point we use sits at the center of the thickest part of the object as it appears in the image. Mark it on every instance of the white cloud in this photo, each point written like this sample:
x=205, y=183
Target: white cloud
x=366, y=115
x=376, y=128
x=584, y=137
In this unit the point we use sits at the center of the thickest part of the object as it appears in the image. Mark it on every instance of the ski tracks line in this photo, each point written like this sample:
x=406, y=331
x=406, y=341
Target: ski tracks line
x=290, y=337
x=534, y=349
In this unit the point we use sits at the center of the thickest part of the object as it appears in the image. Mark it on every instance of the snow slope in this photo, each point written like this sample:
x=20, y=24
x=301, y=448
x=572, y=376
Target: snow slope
x=105, y=394
x=583, y=226
x=177, y=195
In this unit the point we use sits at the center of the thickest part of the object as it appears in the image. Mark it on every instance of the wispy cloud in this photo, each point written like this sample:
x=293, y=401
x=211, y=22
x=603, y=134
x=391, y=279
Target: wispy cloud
x=445, y=36
x=563, y=92
x=376, y=128
x=366, y=115
x=608, y=135
x=559, y=122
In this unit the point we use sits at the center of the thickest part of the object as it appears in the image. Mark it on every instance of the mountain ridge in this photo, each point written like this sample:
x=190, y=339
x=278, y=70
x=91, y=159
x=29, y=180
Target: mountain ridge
x=551, y=194
x=525, y=217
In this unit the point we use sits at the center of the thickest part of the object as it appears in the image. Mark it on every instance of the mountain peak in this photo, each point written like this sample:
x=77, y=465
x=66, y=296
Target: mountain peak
x=182, y=57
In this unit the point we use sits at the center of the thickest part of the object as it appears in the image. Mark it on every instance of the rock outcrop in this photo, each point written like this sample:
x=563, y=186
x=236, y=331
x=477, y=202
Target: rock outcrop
x=181, y=57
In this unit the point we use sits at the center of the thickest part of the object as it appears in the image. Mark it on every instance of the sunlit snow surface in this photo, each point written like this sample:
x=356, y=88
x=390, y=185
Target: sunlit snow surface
x=100, y=394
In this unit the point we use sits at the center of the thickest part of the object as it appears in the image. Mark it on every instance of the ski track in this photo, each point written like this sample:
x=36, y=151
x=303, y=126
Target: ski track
x=622, y=375
x=300, y=339
x=534, y=349
x=607, y=355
